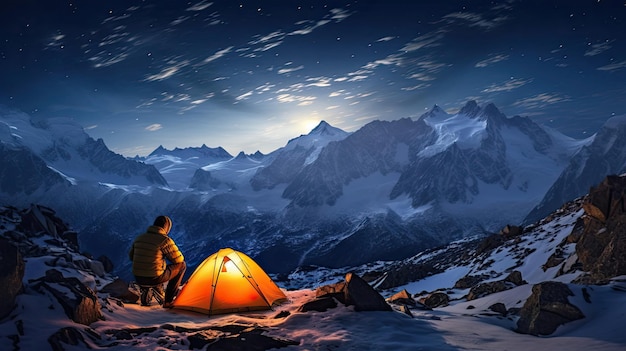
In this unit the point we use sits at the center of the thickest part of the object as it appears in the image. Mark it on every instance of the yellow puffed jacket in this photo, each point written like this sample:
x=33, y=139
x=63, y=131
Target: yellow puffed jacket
x=150, y=250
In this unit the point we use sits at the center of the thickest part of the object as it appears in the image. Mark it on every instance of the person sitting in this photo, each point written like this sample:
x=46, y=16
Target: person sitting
x=149, y=253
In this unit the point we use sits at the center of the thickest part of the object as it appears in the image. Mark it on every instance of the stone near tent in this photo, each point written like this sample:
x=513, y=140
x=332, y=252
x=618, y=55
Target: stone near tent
x=11, y=274
x=119, y=290
x=402, y=298
x=320, y=304
x=336, y=291
x=546, y=309
x=91, y=265
x=79, y=302
x=364, y=298
x=436, y=299
x=354, y=291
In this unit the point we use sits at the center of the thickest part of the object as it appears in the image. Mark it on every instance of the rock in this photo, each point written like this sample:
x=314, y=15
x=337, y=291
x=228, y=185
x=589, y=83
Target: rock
x=601, y=248
x=510, y=231
x=515, y=277
x=488, y=288
x=11, y=274
x=402, y=298
x=406, y=310
x=498, y=307
x=119, y=289
x=71, y=238
x=320, y=304
x=78, y=301
x=436, y=299
x=91, y=265
x=546, y=309
x=106, y=263
x=67, y=336
x=251, y=339
x=469, y=281
x=336, y=291
x=364, y=298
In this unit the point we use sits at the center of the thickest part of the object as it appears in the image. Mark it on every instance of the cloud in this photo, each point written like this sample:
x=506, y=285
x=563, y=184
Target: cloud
x=56, y=41
x=613, y=66
x=475, y=19
x=541, y=100
x=244, y=96
x=289, y=70
x=301, y=100
x=218, y=54
x=167, y=72
x=493, y=59
x=309, y=29
x=154, y=127
x=424, y=41
x=93, y=126
x=105, y=61
x=199, y=6
x=385, y=39
x=597, y=49
x=508, y=85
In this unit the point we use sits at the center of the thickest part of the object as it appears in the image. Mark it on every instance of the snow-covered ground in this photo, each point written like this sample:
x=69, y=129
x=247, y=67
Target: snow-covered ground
x=461, y=325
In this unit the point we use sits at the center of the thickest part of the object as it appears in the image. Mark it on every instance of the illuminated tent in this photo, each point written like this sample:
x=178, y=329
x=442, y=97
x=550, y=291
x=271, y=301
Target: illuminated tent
x=228, y=281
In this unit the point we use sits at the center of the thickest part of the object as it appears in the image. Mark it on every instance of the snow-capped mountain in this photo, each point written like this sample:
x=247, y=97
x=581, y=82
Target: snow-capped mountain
x=66, y=149
x=178, y=166
x=476, y=162
x=602, y=154
x=328, y=197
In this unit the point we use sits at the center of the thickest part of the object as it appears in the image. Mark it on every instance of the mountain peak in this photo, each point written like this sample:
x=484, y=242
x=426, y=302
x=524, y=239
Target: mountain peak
x=471, y=109
x=323, y=128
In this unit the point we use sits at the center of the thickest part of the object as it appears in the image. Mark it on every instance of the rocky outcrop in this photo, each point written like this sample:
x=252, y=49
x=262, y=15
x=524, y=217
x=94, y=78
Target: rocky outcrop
x=79, y=302
x=354, y=291
x=546, y=309
x=601, y=248
x=483, y=289
x=436, y=299
x=11, y=274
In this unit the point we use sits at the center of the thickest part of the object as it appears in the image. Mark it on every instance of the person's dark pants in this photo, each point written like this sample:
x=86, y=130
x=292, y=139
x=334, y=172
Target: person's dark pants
x=173, y=275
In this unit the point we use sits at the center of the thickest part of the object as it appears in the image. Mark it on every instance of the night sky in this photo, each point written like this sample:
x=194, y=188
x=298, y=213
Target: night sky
x=250, y=75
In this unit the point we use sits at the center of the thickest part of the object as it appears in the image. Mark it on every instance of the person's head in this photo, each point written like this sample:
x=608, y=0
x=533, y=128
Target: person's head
x=164, y=222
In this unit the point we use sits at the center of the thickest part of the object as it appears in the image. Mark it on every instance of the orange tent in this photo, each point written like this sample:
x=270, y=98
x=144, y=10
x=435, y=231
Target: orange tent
x=228, y=281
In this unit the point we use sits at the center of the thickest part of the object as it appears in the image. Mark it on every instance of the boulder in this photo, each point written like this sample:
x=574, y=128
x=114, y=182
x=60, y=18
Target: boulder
x=546, y=309
x=11, y=274
x=498, y=307
x=106, y=263
x=601, y=247
x=354, y=291
x=67, y=336
x=336, y=291
x=79, y=302
x=510, y=231
x=402, y=298
x=488, y=288
x=320, y=304
x=360, y=294
x=515, y=277
x=119, y=290
x=469, y=281
x=436, y=299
